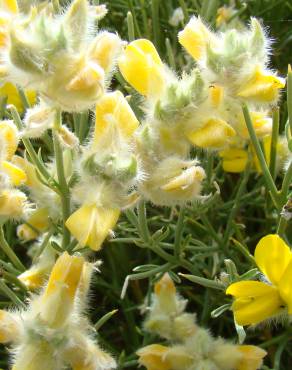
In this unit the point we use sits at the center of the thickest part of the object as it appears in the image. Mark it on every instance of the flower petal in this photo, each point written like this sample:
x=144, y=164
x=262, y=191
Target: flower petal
x=246, y=289
x=285, y=287
x=90, y=225
x=255, y=301
x=272, y=256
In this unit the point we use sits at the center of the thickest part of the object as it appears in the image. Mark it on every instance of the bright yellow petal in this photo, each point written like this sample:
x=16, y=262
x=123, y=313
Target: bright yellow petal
x=66, y=271
x=16, y=174
x=254, y=301
x=214, y=134
x=285, y=287
x=272, y=256
x=90, y=225
x=233, y=160
x=10, y=91
x=142, y=67
x=262, y=87
x=195, y=37
x=10, y=5
x=246, y=289
x=216, y=94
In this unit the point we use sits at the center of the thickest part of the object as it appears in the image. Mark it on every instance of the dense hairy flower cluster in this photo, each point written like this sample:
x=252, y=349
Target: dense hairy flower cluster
x=56, y=67
x=53, y=332
x=191, y=347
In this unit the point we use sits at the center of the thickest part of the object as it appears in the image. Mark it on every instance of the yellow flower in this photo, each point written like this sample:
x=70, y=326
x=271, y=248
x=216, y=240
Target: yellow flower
x=159, y=357
x=256, y=301
x=90, y=224
x=261, y=87
x=142, y=67
x=57, y=301
x=153, y=357
x=105, y=49
x=16, y=174
x=262, y=125
x=37, y=274
x=8, y=140
x=234, y=160
x=8, y=9
x=113, y=111
x=10, y=6
x=8, y=327
x=10, y=91
x=215, y=133
x=12, y=203
x=195, y=38
x=37, y=223
x=252, y=357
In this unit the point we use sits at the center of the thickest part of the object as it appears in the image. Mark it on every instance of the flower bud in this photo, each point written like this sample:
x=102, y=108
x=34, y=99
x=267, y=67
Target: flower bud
x=142, y=68
x=90, y=224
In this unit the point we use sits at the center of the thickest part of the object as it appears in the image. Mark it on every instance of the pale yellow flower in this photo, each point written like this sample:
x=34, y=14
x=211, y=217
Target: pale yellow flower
x=90, y=224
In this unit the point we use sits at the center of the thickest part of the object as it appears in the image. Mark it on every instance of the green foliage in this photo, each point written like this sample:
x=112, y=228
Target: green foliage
x=198, y=240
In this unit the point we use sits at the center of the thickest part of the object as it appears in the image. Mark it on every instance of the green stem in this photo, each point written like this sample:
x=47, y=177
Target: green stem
x=9, y=252
x=179, y=233
x=261, y=158
x=64, y=189
x=274, y=142
x=170, y=55
x=10, y=294
x=289, y=97
x=286, y=184
x=281, y=226
x=234, y=209
x=142, y=221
